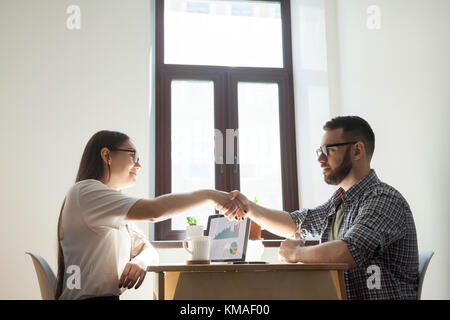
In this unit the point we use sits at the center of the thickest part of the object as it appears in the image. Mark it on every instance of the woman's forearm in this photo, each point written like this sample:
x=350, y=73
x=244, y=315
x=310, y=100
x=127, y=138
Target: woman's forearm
x=168, y=205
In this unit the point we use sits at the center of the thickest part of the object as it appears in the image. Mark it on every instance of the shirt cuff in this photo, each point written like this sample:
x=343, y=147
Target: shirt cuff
x=354, y=251
x=139, y=262
x=298, y=216
x=121, y=218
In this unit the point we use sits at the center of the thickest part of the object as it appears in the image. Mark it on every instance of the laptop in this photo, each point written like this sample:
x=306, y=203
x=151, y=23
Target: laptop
x=229, y=239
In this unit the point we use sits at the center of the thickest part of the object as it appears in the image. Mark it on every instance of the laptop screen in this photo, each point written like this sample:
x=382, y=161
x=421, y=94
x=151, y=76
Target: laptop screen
x=228, y=238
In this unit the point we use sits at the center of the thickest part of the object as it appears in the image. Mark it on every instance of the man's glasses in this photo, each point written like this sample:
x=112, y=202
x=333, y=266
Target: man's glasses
x=324, y=149
x=135, y=155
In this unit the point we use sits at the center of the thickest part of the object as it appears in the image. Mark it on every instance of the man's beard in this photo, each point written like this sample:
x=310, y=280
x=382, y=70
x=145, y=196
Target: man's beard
x=337, y=175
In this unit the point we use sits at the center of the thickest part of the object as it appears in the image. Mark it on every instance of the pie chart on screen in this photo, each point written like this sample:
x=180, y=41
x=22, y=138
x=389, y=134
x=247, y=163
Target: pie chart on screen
x=233, y=248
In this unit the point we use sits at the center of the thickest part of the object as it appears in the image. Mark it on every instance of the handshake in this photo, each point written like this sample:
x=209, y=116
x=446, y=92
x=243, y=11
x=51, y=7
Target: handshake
x=233, y=205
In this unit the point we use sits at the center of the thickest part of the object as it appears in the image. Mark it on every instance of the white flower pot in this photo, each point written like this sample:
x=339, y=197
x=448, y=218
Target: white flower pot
x=194, y=231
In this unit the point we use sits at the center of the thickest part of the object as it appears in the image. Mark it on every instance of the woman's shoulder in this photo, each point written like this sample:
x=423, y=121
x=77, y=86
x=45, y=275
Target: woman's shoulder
x=84, y=190
x=85, y=184
x=89, y=182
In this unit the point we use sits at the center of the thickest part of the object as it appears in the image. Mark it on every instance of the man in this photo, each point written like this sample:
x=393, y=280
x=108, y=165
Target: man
x=366, y=224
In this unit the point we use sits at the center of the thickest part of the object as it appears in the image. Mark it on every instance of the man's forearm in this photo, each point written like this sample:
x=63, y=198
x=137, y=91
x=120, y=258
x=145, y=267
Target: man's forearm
x=278, y=222
x=329, y=252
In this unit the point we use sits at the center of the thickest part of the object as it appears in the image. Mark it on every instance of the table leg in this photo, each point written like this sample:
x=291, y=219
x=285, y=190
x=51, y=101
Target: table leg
x=158, y=289
x=339, y=283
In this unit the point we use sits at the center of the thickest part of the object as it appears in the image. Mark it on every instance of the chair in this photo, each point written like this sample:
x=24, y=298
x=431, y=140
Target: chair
x=45, y=275
x=424, y=260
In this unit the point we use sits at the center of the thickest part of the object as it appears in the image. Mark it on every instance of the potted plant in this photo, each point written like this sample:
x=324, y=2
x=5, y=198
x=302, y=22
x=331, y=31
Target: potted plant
x=193, y=229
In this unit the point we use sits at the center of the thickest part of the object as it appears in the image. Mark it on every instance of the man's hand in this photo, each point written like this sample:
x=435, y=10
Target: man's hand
x=236, y=207
x=132, y=273
x=288, y=250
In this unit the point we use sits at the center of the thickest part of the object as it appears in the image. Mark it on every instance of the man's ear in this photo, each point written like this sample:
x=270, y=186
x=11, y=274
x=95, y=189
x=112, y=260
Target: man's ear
x=359, y=150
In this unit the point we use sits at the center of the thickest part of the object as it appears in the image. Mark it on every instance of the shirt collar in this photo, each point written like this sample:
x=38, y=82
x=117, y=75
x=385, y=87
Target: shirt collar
x=356, y=190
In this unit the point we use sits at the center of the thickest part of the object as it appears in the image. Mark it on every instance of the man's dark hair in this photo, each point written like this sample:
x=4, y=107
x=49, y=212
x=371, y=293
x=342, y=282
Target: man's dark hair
x=354, y=129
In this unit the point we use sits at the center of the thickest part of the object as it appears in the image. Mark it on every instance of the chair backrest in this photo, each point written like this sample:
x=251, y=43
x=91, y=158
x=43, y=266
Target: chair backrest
x=45, y=275
x=424, y=260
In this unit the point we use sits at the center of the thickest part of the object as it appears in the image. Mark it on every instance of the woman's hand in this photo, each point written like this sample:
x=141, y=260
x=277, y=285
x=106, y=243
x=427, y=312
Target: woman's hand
x=236, y=207
x=130, y=275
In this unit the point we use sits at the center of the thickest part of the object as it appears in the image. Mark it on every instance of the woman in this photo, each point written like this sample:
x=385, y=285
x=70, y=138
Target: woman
x=101, y=253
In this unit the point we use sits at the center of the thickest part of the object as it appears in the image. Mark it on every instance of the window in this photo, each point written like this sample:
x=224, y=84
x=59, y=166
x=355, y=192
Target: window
x=224, y=104
x=259, y=143
x=223, y=33
x=192, y=147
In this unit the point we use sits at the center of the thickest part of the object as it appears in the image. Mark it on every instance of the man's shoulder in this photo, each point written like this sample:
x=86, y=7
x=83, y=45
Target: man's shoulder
x=384, y=191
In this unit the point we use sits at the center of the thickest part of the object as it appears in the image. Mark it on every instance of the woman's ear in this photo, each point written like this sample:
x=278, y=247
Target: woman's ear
x=106, y=155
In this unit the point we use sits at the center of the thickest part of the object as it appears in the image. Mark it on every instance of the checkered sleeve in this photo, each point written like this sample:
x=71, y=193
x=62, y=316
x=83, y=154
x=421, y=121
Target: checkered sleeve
x=310, y=219
x=379, y=223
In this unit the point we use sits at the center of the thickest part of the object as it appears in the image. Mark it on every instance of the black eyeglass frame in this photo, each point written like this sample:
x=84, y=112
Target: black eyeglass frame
x=135, y=156
x=324, y=149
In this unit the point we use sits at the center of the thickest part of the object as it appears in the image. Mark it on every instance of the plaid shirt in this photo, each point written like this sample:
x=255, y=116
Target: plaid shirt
x=379, y=231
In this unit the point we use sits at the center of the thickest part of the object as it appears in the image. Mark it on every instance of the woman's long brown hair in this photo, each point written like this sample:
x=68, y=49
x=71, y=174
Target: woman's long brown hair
x=91, y=167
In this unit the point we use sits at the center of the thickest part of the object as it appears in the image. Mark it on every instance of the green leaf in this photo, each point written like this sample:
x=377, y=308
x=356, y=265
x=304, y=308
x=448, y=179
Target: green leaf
x=191, y=221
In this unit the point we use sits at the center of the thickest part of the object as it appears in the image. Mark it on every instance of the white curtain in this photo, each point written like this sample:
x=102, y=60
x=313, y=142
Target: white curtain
x=315, y=90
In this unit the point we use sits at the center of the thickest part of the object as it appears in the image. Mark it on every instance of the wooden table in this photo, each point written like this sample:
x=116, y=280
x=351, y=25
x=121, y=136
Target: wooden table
x=253, y=282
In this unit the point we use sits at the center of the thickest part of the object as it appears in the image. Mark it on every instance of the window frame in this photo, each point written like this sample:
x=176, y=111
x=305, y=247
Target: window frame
x=225, y=99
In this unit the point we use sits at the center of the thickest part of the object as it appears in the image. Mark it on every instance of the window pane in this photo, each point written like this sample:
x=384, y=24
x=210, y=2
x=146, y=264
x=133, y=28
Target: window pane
x=259, y=143
x=192, y=144
x=223, y=33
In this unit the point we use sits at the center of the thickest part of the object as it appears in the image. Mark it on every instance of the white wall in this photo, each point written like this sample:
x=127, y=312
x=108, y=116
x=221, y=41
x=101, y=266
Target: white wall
x=57, y=88
x=397, y=78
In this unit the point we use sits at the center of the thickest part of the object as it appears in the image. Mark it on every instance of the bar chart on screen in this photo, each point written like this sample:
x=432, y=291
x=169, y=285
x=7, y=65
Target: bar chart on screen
x=228, y=233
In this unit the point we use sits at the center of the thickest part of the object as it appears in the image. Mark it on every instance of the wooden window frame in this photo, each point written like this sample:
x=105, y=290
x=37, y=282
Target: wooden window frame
x=225, y=98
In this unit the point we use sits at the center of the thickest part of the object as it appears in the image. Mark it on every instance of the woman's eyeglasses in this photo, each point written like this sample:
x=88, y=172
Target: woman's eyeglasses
x=324, y=149
x=135, y=155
